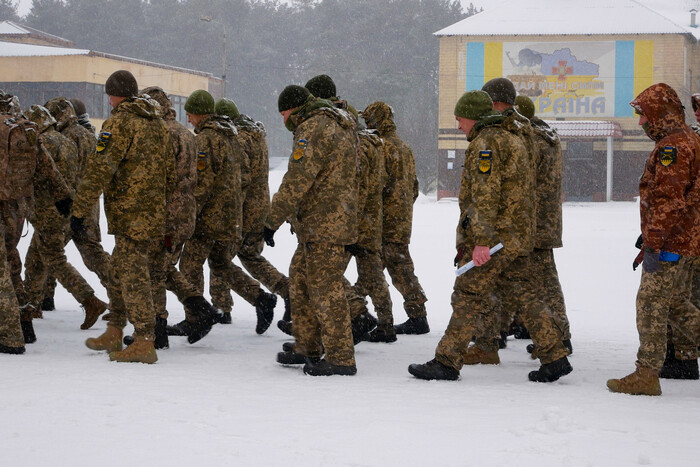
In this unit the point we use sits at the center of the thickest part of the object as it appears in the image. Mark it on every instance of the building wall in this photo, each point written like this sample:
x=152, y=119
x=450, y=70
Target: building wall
x=671, y=58
x=35, y=79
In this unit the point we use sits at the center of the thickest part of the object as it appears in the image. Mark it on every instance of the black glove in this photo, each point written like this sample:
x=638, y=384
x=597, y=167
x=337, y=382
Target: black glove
x=77, y=225
x=269, y=236
x=465, y=222
x=459, y=256
x=651, y=261
x=638, y=244
x=638, y=260
x=63, y=206
x=353, y=249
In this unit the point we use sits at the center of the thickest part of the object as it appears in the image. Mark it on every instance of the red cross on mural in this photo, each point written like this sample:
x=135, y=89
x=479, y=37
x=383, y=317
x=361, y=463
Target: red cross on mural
x=562, y=70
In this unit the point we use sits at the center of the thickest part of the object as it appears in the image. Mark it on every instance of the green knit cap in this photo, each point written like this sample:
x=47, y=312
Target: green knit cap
x=291, y=97
x=200, y=102
x=321, y=86
x=525, y=106
x=227, y=107
x=474, y=105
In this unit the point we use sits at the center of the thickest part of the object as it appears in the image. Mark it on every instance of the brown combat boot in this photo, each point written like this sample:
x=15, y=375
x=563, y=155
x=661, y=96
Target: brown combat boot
x=644, y=382
x=475, y=356
x=110, y=341
x=140, y=351
x=94, y=307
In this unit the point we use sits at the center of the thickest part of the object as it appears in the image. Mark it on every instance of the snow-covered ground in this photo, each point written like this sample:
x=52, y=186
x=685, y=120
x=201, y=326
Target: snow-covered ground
x=225, y=401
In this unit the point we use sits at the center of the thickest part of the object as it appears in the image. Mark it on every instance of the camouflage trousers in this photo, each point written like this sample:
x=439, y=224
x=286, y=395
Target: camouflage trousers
x=663, y=299
x=545, y=279
x=199, y=249
x=250, y=256
x=46, y=253
x=371, y=282
x=319, y=306
x=10, y=330
x=473, y=302
x=132, y=261
x=93, y=255
x=174, y=281
x=397, y=261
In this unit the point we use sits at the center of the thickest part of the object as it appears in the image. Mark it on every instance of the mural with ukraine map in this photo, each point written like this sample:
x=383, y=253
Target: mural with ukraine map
x=572, y=79
x=564, y=80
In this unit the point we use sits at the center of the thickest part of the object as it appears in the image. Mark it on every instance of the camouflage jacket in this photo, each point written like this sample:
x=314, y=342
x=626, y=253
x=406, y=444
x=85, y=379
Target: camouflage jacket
x=256, y=205
x=400, y=190
x=65, y=155
x=219, y=192
x=496, y=197
x=134, y=165
x=372, y=181
x=669, y=189
x=548, y=160
x=319, y=191
x=182, y=208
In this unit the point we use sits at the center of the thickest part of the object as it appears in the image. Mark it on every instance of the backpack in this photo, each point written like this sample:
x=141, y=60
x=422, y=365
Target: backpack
x=18, y=155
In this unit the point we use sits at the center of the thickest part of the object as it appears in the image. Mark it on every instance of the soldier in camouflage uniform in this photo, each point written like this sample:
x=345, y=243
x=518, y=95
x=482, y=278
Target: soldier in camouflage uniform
x=548, y=160
x=46, y=251
x=181, y=213
x=89, y=245
x=256, y=203
x=25, y=163
x=218, y=195
x=496, y=205
x=372, y=280
x=548, y=308
x=681, y=346
x=400, y=192
x=669, y=206
x=318, y=197
x=134, y=166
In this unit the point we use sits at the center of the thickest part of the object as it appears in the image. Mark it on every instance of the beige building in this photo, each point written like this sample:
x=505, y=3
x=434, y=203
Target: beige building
x=37, y=67
x=581, y=63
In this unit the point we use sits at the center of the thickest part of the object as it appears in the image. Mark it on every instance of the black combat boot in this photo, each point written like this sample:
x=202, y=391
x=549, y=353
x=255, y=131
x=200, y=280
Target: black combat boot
x=519, y=331
x=28, y=332
x=413, y=326
x=288, y=346
x=324, y=368
x=290, y=357
x=381, y=334
x=48, y=304
x=433, y=370
x=180, y=329
x=679, y=369
x=551, y=371
x=161, y=331
x=205, y=314
x=361, y=325
x=503, y=341
x=11, y=350
x=265, y=309
x=225, y=317
x=285, y=326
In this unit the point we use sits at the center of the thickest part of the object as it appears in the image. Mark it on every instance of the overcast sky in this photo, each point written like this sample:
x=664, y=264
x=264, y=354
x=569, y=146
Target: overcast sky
x=25, y=5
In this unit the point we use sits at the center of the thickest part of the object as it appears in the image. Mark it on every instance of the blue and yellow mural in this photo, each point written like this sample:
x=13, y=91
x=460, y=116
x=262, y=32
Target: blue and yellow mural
x=567, y=79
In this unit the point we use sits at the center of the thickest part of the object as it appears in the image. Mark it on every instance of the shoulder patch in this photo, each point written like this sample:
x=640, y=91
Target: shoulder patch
x=299, y=150
x=485, y=160
x=201, y=160
x=103, y=140
x=668, y=156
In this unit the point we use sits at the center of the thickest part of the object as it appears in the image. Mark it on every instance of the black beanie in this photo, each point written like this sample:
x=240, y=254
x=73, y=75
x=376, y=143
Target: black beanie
x=321, y=86
x=292, y=97
x=121, y=83
x=500, y=90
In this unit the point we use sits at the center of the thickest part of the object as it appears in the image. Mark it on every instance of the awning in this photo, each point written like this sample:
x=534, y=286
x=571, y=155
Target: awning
x=586, y=128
